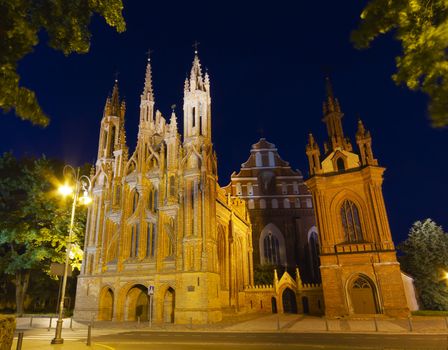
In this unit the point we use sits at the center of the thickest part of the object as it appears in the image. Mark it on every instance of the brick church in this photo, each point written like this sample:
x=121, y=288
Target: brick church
x=160, y=222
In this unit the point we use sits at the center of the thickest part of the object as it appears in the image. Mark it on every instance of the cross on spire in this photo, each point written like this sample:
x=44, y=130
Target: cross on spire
x=148, y=53
x=195, y=45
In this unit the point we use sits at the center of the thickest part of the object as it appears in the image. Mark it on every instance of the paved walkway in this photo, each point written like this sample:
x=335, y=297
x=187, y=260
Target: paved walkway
x=38, y=334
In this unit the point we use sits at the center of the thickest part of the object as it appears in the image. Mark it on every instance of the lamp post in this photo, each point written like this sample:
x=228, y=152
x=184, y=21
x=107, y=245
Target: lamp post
x=81, y=183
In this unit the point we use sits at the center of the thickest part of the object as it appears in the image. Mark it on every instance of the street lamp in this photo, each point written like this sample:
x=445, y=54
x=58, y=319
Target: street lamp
x=82, y=185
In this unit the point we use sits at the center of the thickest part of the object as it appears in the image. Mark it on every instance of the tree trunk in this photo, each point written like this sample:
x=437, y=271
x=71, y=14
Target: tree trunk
x=21, y=282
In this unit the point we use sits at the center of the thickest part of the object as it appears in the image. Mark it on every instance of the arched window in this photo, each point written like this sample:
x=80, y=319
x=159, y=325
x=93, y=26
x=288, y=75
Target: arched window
x=239, y=190
x=112, y=141
x=274, y=203
x=250, y=189
x=135, y=197
x=258, y=160
x=271, y=250
x=156, y=199
x=272, y=246
x=251, y=204
x=262, y=204
x=284, y=188
x=309, y=203
x=150, y=200
x=313, y=244
x=135, y=237
x=351, y=222
x=118, y=195
x=340, y=164
x=271, y=159
x=297, y=202
x=286, y=203
x=172, y=186
x=295, y=187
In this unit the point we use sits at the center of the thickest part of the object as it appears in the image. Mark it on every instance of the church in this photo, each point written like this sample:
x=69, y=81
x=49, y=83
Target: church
x=159, y=219
x=165, y=241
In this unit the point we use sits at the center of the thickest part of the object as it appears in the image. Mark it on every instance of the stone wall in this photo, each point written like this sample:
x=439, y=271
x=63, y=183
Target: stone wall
x=7, y=328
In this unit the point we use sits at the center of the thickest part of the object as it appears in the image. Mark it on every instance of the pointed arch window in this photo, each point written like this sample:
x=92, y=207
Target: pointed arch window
x=150, y=200
x=135, y=238
x=156, y=199
x=135, y=198
x=350, y=222
x=271, y=249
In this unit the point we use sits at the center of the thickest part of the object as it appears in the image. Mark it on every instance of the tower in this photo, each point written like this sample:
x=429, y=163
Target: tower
x=359, y=268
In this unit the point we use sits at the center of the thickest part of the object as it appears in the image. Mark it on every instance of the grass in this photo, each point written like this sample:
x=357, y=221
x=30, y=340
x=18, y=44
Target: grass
x=429, y=313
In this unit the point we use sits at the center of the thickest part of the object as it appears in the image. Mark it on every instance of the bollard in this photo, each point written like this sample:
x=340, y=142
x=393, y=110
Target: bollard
x=278, y=322
x=19, y=341
x=71, y=323
x=31, y=322
x=327, y=326
x=91, y=322
x=376, y=324
x=89, y=335
x=410, y=324
x=138, y=321
x=49, y=325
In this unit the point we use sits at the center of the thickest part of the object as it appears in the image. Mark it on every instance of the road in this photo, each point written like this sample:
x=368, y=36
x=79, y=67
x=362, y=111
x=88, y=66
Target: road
x=163, y=340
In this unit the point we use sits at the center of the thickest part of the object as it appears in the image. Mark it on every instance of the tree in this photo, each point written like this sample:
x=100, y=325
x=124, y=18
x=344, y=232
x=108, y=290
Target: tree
x=426, y=260
x=422, y=28
x=33, y=221
x=67, y=26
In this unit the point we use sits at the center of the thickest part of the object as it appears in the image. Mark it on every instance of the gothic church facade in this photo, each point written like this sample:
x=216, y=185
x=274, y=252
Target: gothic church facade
x=160, y=220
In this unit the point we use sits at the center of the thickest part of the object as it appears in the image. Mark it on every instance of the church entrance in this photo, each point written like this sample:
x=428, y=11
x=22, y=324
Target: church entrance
x=169, y=303
x=137, y=303
x=106, y=310
x=289, y=301
x=274, y=305
x=305, y=305
x=362, y=295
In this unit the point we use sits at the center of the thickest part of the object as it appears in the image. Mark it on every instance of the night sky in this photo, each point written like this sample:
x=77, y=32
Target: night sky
x=267, y=66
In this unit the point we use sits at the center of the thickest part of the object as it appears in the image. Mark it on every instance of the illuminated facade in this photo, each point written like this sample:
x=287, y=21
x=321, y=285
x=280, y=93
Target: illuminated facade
x=281, y=211
x=159, y=218
x=359, y=268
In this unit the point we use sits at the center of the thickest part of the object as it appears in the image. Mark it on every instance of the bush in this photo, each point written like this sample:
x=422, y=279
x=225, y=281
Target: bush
x=7, y=328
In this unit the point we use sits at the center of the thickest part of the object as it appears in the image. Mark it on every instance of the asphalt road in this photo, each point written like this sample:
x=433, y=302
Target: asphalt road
x=248, y=341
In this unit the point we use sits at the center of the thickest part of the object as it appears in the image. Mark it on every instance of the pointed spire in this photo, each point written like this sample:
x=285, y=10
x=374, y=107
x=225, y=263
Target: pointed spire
x=196, y=80
x=148, y=93
x=173, y=120
x=115, y=100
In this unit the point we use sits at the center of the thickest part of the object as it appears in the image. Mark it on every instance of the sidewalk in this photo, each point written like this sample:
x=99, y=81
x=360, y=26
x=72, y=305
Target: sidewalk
x=36, y=336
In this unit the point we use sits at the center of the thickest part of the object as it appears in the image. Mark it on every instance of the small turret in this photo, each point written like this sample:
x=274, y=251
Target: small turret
x=364, y=142
x=313, y=154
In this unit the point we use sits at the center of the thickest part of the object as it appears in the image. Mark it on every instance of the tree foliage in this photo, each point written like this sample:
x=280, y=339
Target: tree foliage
x=426, y=260
x=422, y=28
x=67, y=26
x=33, y=221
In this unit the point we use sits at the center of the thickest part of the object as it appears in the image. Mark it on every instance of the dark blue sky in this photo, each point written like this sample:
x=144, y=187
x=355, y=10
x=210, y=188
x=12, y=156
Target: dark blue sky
x=267, y=65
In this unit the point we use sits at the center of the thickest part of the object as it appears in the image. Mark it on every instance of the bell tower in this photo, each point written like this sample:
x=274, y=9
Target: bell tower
x=359, y=268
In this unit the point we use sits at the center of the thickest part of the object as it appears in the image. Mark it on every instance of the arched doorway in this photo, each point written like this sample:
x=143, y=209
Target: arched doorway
x=289, y=301
x=362, y=295
x=274, y=305
x=106, y=310
x=305, y=305
x=137, y=303
x=169, y=302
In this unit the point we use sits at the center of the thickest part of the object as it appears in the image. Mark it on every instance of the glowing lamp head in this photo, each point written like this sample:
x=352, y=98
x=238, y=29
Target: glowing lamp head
x=65, y=190
x=85, y=199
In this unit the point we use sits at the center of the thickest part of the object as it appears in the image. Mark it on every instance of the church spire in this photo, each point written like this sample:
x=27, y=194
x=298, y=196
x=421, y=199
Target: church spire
x=333, y=119
x=148, y=93
x=115, y=101
x=196, y=79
